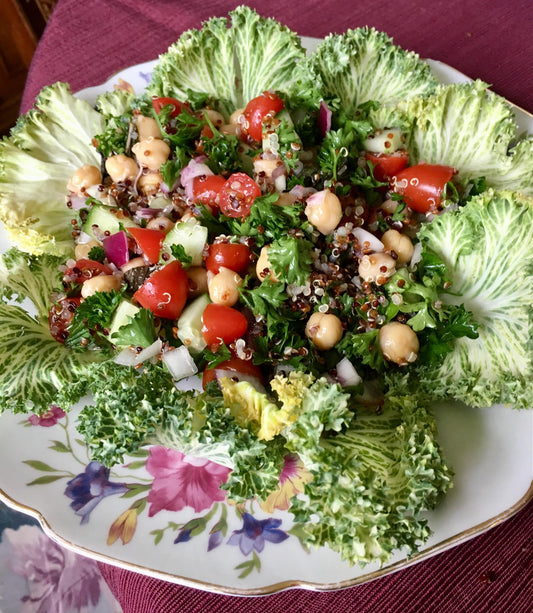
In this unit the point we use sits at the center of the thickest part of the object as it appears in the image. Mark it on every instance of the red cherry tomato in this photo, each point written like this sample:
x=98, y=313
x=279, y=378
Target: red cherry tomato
x=206, y=189
x=165, y=291
x=422, y=186
x=386, y=165
x=159, y=102
x=236, y=365
x=85, y=269
x=222, y=324
x=234, y=256
x=149, y=241
x=60, y=316
x=238, y=194
x=255, y=112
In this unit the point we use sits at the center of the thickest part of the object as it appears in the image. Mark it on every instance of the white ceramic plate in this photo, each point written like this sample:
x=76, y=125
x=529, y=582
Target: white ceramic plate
x=45, y=473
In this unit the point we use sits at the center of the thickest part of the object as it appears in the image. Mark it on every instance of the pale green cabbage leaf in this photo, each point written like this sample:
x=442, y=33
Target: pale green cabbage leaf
x=487, y=247
x=36, y=162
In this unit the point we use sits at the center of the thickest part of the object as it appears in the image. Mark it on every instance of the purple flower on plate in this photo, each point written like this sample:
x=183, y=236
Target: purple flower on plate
x=255, y=532
x=90, y=487
x=48, y=418
x=215, y=539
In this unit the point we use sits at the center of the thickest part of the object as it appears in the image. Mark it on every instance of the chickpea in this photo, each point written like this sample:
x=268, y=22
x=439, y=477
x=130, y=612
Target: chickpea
x=121, y=168
x=216, y=118
x=147, y=127
x=163, y=224
x=236, y=117
x=81, y=251
x=133, y=263
x=83, y=178
x=197, y=276
x=223, y=287
x=151, y=153
x=324, y=211
x=389, y=206
x=149, y=183
x=401, y=244
x=101, y=283
x=286, y=199
x=229, y=129
x=324, y=329
x=398, y=343
x=377, y=267
x=263, y=268
x=265, y=168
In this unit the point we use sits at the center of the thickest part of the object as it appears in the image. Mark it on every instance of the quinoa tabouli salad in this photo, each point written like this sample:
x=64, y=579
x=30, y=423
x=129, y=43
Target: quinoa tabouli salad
x=268, y=253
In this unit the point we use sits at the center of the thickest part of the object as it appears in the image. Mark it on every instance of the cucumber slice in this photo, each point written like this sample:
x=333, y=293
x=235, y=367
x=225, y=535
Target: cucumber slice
x=191, y=235
x=387, y=140
x=106, y=219
x=190, y=325
x=123, y=315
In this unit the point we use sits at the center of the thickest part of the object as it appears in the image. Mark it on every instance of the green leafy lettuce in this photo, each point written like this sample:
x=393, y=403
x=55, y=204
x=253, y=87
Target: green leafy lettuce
x=44, y=149
x=371, y=483
x=365, y=65
x=472, y=129
x=486, y=246
x=41, y=370
x=230, y=60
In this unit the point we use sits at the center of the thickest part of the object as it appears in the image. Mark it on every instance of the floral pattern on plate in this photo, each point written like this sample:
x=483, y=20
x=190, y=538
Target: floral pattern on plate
x=176, y=482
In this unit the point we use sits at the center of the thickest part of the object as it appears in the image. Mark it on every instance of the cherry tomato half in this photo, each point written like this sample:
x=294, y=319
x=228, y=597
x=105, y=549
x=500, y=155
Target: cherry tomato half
x=422, y=186
x=85, y=269
x=234, y=256
x=386, y=165
x=238, y=194
x=149, y=241
x=236, y=365
x=158, y=102
x=206, y=189
x=256, y=110
x=165, y=291
x=60, y=316
x=222, y=324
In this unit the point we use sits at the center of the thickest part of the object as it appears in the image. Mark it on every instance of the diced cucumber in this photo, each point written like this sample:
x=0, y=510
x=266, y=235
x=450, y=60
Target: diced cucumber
x=106, y=219
x=191, y=235
x=123, y=315
x=387, y=140
x=190, y=325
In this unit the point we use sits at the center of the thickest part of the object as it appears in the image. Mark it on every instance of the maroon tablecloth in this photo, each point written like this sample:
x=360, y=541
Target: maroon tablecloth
x=86, y=42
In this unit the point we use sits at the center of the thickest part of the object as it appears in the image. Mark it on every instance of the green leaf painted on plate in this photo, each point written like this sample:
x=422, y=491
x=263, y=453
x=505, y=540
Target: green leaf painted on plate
x=47, y=479
x=42, y=466
x=249, y=566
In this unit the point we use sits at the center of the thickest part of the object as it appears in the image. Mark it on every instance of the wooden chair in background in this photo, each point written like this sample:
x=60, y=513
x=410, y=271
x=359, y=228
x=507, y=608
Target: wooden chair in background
x=21, y=25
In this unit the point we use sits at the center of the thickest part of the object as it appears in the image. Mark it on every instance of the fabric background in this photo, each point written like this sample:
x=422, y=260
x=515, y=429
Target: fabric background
x=86, y=42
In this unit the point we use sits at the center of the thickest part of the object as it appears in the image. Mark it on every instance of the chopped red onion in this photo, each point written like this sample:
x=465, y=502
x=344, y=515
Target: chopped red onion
x=129, y=357
x=367, y=240
x=347, y=376
x=179, y=363
x=116, y=248
x=77, y=202
x=195, y=168
x=147, y=213
x=302, y=192
x=84, y=238
x=324, y=118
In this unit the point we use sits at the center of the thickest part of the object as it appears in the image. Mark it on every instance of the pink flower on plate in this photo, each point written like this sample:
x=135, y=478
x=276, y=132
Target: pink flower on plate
x=48, y=418
x=181, y=481
x=56, y=579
